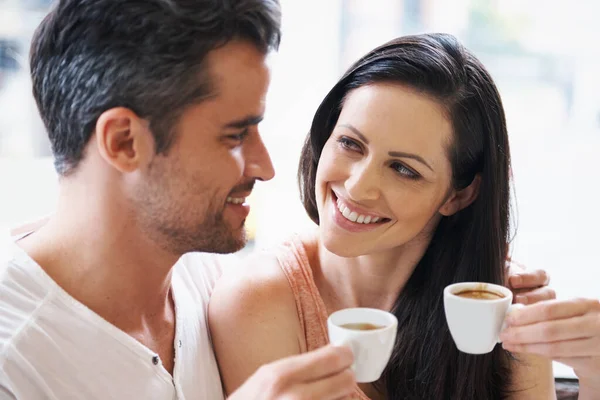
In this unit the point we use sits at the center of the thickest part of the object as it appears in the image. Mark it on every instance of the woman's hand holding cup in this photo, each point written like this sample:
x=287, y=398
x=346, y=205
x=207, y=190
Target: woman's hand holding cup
x=370, y=333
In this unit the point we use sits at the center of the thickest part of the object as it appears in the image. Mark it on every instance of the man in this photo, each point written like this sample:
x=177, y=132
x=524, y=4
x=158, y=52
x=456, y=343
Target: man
x=152, y=109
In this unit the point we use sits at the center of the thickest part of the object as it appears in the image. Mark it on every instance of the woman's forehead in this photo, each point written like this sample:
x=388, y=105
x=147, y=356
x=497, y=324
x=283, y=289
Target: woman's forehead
x=395, y=116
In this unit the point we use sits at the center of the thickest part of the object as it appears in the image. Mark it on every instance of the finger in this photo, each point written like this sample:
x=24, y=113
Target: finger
x=534, y=296
x=570, y=348
x=515, y=265
x=576, y=362
x=314, y=365
x=528, y=279
x=340, y=385
x=552, y=310
x=585, y=326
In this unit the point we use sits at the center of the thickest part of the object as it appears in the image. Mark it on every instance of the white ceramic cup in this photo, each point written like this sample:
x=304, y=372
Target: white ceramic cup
x=476, y=323
x=372, y=348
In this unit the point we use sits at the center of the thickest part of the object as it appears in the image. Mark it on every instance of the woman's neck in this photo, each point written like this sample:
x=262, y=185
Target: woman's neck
x=373, y=280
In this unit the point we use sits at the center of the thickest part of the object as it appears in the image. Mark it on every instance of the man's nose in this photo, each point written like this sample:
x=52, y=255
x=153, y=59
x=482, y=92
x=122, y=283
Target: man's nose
x=258, y=161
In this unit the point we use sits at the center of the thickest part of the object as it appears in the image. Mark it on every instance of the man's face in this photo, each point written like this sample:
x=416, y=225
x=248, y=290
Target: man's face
x=193, y=197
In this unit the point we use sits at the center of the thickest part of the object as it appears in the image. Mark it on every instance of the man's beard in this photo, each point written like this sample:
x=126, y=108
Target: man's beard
x=173, y=229
x=213, y=235
x=178, y=228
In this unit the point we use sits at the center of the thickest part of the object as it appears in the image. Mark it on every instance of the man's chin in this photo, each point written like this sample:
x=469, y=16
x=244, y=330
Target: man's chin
x=236, y=241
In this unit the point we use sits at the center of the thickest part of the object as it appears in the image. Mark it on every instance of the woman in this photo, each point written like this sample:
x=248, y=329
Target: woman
x=406, y=172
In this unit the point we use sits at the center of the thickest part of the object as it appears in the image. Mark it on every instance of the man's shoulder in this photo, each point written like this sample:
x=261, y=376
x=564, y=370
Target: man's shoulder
x=20, y=302
x=203, y=270
x=24, y=292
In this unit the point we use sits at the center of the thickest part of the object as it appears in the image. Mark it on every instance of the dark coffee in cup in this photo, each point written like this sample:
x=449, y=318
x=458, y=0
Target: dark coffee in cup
x=362, y=326
x=476, y=312
x=479, y=295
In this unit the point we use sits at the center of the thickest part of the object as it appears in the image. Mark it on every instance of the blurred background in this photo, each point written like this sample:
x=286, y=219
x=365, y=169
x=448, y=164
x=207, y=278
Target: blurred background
x=543, y=55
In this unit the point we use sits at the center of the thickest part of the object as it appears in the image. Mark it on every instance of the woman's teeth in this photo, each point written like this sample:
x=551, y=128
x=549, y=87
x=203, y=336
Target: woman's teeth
x=236, y=200
x=354, y=216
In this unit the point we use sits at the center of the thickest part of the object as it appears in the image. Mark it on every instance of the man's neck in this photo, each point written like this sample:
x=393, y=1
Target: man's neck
x=99, y=256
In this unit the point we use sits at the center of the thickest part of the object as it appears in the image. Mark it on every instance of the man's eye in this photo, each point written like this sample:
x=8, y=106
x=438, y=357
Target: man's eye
x=239, y=137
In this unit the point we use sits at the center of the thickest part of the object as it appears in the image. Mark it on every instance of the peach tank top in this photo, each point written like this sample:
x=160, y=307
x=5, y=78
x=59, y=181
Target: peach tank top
x=293, y=260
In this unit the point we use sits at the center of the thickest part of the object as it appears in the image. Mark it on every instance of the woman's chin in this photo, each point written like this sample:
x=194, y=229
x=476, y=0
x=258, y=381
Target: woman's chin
x=341, y=247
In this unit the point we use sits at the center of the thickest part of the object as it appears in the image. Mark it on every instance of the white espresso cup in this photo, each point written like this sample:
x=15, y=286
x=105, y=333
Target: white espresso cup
x=372, y=348
x=475, y=323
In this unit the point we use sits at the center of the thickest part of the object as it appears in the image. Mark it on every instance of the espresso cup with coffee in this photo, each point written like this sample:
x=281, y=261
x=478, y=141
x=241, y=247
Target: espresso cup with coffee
x=475, y=313
x=370, y=333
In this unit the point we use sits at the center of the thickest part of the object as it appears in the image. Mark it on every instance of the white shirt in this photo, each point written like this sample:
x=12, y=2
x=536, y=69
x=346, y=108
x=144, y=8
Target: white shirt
x=54, y=347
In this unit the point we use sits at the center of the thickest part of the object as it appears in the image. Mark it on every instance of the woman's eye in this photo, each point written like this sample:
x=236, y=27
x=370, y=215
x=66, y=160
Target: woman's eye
x=404, y=171
x=349, y=144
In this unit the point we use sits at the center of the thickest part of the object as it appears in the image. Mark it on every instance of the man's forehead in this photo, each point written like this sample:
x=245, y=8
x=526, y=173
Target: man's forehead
x=239, y=77
x=236, y=61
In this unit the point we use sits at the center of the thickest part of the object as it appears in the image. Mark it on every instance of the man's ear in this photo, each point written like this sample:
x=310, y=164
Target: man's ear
x=124, y=140
x=460, y=199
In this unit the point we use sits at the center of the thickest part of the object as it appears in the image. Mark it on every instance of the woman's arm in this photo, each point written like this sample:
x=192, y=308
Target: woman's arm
x=253, y=319
x=532, y=378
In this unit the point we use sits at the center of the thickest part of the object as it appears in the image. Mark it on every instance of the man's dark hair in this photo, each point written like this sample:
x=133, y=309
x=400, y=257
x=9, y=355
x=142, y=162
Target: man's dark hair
x=88, y=56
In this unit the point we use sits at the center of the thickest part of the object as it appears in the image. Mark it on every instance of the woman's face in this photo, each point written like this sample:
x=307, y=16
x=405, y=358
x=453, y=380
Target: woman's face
x=384, y=177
